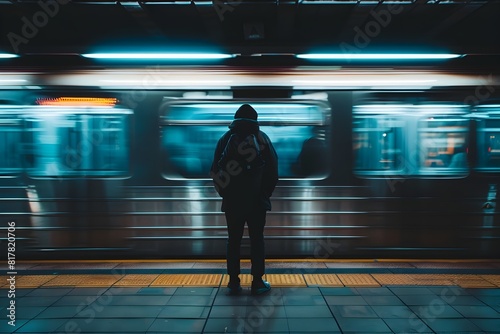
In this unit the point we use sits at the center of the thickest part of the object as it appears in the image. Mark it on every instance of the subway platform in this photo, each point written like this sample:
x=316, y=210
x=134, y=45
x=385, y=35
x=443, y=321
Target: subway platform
x=308, y=296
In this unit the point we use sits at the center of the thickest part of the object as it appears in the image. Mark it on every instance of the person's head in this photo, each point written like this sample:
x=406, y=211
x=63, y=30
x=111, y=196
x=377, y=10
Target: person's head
x=246, y=111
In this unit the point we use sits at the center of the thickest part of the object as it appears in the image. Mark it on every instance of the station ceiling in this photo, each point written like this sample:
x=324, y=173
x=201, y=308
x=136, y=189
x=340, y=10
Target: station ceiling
x=251, y=27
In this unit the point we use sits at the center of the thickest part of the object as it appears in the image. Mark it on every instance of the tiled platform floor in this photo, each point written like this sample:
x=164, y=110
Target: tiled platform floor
x=405, y=297
x=393, y=309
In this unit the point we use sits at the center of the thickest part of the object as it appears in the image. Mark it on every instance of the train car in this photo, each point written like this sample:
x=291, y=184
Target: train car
x=114, y=163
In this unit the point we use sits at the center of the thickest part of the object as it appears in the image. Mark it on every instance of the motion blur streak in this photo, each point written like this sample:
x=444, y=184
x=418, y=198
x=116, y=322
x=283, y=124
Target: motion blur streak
x=221, y=78
x=381, y=163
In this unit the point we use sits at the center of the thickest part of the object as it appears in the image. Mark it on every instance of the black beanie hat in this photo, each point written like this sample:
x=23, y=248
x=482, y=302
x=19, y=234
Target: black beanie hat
x=246, y=111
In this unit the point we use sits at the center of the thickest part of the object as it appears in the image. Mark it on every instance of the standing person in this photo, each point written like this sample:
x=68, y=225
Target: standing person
x=245, y=173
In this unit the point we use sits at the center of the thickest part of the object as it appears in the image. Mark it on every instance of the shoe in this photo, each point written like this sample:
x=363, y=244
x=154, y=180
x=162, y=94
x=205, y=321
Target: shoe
x=260, y=287
x=234, y=289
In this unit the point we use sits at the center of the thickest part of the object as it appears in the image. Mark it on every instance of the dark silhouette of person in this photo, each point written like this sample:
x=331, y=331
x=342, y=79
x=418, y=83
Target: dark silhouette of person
x=312, y=159
x=245, y=202
x=459, y=158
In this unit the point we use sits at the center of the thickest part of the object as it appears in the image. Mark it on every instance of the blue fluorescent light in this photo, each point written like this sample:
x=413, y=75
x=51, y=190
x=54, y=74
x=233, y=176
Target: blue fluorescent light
x=8, y=55
x=378, y=56
x=143, y=56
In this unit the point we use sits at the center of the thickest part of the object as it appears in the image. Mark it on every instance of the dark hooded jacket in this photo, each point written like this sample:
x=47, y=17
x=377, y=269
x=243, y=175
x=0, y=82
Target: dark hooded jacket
x=243, y=127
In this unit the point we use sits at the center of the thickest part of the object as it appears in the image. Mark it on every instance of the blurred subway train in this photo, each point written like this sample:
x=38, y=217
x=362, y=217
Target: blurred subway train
x=372, y=163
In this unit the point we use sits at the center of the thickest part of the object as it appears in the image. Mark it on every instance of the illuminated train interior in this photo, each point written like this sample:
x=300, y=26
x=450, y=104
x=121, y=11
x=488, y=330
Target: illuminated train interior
x=114, y=163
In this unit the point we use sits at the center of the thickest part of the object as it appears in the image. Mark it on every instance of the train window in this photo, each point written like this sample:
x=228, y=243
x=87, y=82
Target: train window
x=429, y=140
x=378, y=139
x=10, y=137
x=488, y=137
x=191, y=129
x=79, y=142
x=443, y=145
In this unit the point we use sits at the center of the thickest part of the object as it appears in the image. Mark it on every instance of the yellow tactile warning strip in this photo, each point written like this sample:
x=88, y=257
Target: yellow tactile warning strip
x=277, y=280
x=286, y=279
x=136, y=280
x=463, y=280
x=495, y=279
x=32, y=281
x=204, y=280
x=3, y=281
x=400, y=279
x=472, y=281
x=361, y=280
x=428, y=279
x=323, y=280
x=84, y=280
x=187, y=280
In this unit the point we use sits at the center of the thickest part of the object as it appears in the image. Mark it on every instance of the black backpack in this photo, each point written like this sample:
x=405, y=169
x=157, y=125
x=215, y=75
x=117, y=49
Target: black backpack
x=242, y=164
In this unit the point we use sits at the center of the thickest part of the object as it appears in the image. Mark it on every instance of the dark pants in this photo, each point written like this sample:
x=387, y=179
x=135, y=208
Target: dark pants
x=235, y=226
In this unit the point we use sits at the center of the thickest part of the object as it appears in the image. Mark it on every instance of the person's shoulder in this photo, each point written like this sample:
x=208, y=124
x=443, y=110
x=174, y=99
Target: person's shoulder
x=264, y=136
x=265, y=140
x=225, y=136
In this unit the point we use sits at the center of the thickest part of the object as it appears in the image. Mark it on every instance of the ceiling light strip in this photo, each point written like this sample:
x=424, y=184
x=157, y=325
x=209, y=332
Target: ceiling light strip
x=146, y=56
x=378, y=56
x=7, y=55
